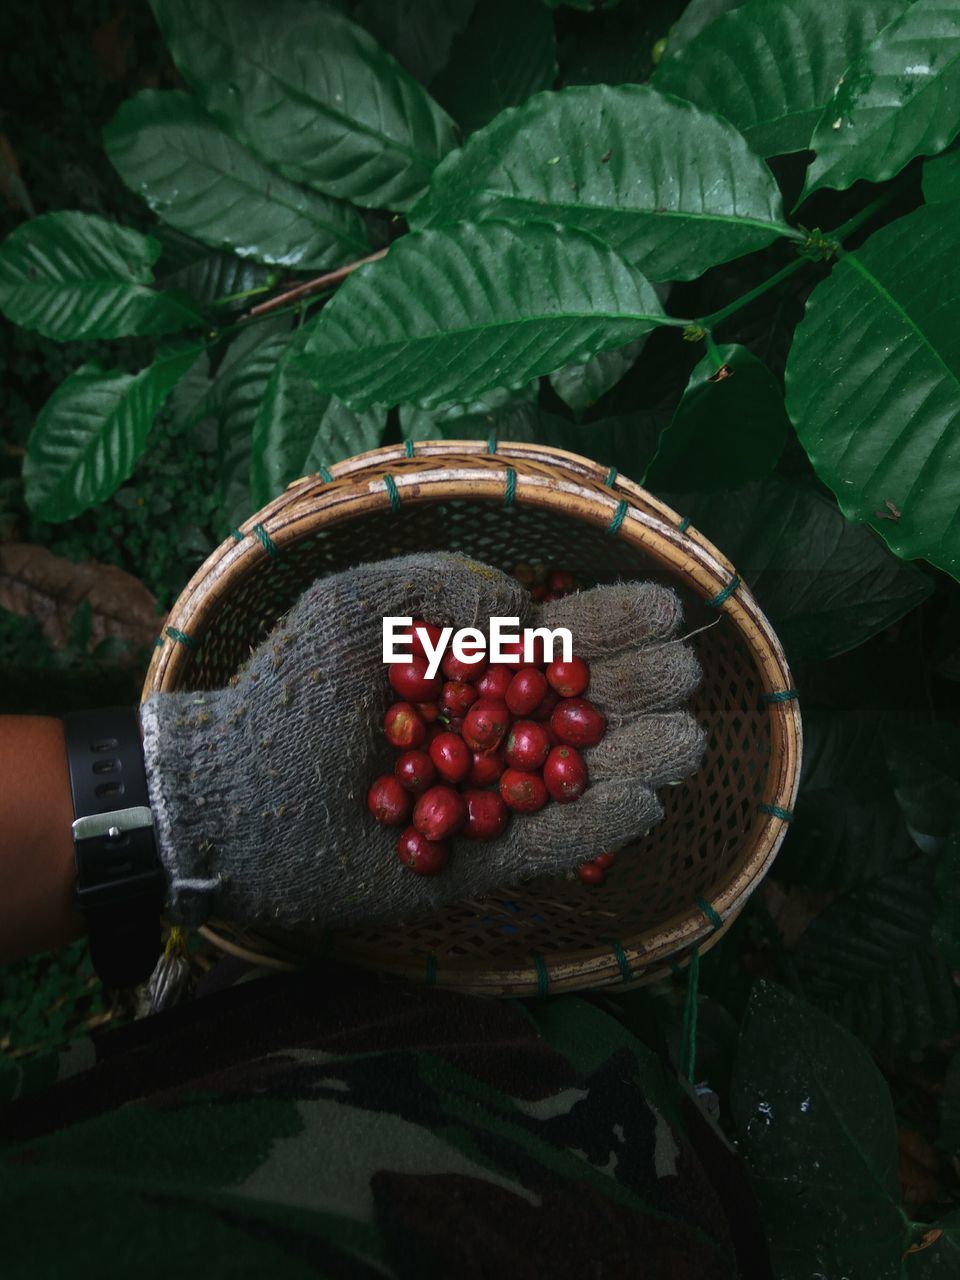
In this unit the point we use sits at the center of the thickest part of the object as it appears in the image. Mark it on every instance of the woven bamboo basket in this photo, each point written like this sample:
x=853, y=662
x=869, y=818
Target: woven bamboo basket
x=676, y=889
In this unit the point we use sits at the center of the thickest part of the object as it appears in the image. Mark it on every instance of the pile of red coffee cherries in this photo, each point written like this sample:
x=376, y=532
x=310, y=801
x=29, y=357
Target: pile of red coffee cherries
x=482, y=740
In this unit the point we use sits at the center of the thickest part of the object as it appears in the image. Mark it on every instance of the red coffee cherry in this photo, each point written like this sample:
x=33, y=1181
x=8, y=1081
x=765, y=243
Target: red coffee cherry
x=604, y=860
x=526, y=691
x=388, y=802
x=590, y=873
x=527, y=746
x=450, y=756
x=565, y=774
x=578, y=722
x=409, y=680
x=545, y=710
x=429, y=711
x=404, y=726
x=423, y=856
x=415, y=771
x=570, y=679
x=485, y=724
x=511, y=655
x=523, y=792
x=457, y=697
x=514, y=655
x=469, y=672
x=487, y=815
x=439, y=813
x=494, y=683
x=416, y=642
x=487, y=766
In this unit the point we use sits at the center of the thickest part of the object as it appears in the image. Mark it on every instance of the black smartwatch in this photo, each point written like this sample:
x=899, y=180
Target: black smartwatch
x=120, y=882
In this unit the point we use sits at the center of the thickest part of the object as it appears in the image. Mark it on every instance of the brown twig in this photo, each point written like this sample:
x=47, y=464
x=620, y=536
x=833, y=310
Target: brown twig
x=311, y=286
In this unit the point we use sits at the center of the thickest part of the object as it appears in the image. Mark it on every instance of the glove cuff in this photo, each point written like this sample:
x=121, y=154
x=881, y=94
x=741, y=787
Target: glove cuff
x=177, y=749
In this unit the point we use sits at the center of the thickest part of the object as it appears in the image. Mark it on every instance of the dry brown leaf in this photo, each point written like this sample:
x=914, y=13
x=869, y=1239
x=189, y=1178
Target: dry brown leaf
x=113, y=45
x=793, y=909
x=920, y=1168
x=12, y=186
x=926, y=1240
x=33, y=581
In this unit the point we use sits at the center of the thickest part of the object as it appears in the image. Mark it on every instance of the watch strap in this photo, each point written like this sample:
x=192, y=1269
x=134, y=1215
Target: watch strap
x=120, y=881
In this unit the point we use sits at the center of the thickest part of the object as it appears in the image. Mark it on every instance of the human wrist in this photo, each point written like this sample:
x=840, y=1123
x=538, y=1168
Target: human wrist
x=37, y=908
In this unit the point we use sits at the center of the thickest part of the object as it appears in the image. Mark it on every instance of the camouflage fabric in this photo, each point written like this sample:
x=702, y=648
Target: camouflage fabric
x=341, y=1124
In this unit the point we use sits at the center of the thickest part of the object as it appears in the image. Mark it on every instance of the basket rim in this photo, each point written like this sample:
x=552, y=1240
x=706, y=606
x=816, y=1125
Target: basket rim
x=394, y=475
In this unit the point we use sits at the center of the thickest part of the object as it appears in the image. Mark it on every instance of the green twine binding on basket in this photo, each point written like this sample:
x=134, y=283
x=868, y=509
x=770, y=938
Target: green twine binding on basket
x=543, y=978
x=392, y=492
x=510, y=492
x=182, y=638
x=619, y=516
x=492, y=442
x=268, y=544
x=325, y=475
x=611, y=479
x=688, y=1032
x=722, y=596
x=781, y=695
x=408, y=448
x=785, y=815
x=621, y=957
x=235, y=533
x=683, y=526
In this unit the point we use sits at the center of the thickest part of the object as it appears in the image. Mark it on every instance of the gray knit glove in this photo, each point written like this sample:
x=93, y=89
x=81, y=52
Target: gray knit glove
x=259, y=790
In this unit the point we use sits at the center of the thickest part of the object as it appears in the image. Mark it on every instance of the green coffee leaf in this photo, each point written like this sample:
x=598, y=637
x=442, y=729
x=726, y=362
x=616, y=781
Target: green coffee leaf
x=419, y=33
x=730, y=425
x=234, y=401
x=873, y=383
x=848, y=827
x=941, y=177
x=696, y=16
x=76, y=275
x=297, y=430
x=312, y=94
x=202, y=181
x=817, y=1129
x=946, y=923
x=950, y=1108
x=581, y=385
x=770, y=68
x=485, y=412
x=868, y=960
x=507, y=53
x=899, y=99
x=91, y=432
x=625, y=443
x=925, y=762
x=826, y=585
x=213, y=277
x=450, y=314
x=693, y=195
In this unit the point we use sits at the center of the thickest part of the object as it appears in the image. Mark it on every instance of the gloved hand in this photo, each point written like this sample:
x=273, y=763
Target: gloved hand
x=259, y=789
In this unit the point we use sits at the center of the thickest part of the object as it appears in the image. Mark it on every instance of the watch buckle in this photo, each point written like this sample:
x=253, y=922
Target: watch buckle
x=113, y=823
